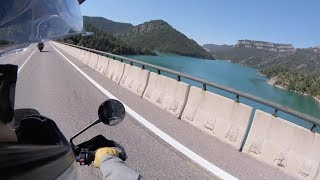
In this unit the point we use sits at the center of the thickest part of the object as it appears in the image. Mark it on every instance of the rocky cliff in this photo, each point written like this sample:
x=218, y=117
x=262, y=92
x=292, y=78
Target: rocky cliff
x=262, y=45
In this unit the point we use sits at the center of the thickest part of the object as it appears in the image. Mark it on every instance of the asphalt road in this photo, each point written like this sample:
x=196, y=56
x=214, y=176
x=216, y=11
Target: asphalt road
x=50, y=84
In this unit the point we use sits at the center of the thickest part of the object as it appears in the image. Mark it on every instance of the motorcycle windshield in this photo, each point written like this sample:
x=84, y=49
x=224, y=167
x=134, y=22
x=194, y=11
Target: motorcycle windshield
x=26, y=21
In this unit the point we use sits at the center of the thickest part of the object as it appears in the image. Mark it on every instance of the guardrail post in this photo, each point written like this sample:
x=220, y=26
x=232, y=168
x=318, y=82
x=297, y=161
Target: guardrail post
x=143, y=67
x=313, y=128
x=158, y=71
x=121, y=60
x=204, y=87
x=237, y=98
x=131, y=63
x=178, y=78
x=275, y=113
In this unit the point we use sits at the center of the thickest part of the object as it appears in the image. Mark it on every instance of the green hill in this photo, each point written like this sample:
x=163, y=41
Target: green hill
x=107, y=25
x=306, y=83
x=158, y=35
x=104, y=42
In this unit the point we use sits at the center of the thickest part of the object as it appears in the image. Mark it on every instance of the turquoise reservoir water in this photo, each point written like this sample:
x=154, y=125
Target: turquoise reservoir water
x=238, y=77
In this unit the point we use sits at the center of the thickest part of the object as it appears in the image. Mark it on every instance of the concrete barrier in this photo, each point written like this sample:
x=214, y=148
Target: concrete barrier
x=135, y=79
x=76, y=52
x=79, y=56
x=86, y=57
x=115, y=70
x=166, y=93
x=62, y=47
x=195, y=97
x=67, y=49
x=93, y=60
x=72, y=51
x=59, y=45
x=102, y=64
x=284, y=145
x=218, y=116
x=110, y=70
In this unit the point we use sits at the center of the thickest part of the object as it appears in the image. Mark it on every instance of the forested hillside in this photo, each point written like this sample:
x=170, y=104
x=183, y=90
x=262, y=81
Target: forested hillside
x=107, y=25
x=105, y=42
x=160, y=36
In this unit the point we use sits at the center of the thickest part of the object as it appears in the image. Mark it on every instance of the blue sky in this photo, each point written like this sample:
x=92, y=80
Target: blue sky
x=222, y=21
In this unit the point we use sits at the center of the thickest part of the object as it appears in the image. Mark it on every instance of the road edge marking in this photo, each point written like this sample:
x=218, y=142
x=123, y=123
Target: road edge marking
x=26, y=60
x=178, y=146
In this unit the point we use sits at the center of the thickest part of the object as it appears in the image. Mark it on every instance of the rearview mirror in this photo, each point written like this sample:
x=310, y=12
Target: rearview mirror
x=111, y=112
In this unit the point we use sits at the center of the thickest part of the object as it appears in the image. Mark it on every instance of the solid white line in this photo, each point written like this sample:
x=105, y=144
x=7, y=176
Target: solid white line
x=26, y=61
x=184, y=150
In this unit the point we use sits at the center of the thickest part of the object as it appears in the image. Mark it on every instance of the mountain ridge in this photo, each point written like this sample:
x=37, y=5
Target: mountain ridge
x=154, y=35
x=158, y=35
x=262, y=54
x=269, y=46
x=107, y=25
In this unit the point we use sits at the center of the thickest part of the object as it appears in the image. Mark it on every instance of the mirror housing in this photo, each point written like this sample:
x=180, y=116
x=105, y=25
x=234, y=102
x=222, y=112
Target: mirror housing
x=111, y=112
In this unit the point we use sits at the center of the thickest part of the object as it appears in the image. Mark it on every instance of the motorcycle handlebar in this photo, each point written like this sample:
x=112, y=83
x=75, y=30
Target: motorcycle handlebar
x=85, y=152
x=85, y=157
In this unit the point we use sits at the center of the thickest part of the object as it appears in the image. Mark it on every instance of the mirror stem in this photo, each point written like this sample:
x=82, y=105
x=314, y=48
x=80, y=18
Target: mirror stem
x=94, y=123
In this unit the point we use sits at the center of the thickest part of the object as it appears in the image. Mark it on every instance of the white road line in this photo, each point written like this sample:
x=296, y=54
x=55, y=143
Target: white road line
x=184, y=150
x=26, y=61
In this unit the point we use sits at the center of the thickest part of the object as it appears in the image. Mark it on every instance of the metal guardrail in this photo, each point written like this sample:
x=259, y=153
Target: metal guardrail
x=277, y=107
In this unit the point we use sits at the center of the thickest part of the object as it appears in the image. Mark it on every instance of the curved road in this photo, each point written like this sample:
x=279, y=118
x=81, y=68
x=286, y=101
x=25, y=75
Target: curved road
x=50, y=84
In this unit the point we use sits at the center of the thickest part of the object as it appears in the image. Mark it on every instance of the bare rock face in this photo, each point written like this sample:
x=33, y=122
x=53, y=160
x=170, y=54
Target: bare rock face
x=262, y=45
x=316, y=49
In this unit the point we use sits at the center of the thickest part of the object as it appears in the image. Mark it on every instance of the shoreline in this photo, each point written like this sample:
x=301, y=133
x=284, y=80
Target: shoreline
x=272, y=81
